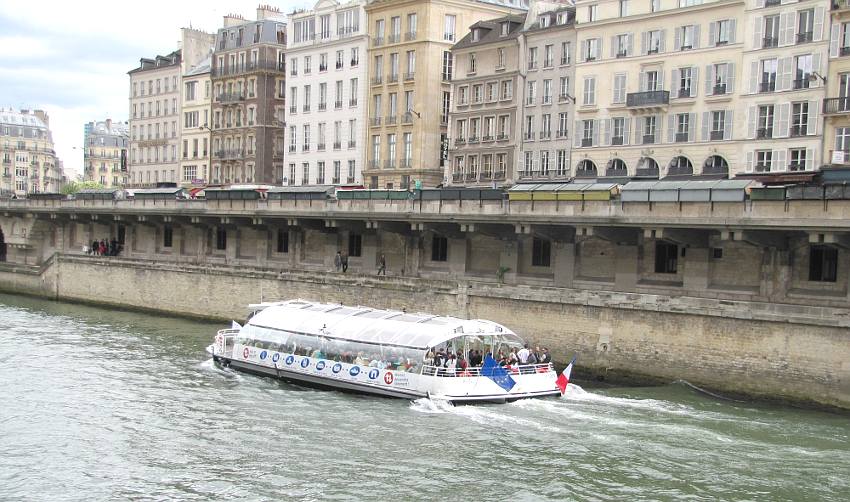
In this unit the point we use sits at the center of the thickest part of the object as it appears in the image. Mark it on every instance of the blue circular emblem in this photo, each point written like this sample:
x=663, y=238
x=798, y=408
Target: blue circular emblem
x=373, y=373
x=305, y=362
x=276, y=357
x=290, y=359
x=337, y=368
x=354, y=371
x=320, y=365
x=263, y=354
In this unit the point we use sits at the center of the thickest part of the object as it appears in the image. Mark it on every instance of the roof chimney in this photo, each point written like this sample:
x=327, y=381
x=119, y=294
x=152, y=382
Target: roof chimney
x=108, y=125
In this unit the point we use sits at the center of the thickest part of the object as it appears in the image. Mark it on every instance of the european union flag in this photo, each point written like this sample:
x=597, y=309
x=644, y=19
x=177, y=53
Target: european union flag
x=493, y=371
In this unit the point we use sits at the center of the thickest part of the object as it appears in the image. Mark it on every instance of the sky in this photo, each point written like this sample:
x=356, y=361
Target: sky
x=71, y=58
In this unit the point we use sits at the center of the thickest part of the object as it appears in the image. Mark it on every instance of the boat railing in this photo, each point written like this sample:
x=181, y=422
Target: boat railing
x=224, y=341
x=474, y=371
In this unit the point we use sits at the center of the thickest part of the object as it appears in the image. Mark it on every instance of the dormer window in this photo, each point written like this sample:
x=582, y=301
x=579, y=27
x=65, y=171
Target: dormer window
x=506, y=26
x=476, y=35
x=544, y=21
x=561, y=19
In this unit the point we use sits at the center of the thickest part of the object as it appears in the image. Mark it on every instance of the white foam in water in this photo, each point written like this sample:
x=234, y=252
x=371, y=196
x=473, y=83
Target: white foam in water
x=576, y=393
x=431, y=405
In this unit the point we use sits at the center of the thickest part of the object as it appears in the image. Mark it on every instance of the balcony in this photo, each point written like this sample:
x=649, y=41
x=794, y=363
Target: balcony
x=393, y=78
x=230, y=97
x=377, y=41
x=337, y=105
x=545, y=135
x=621, y=54
x=769, y=42
x=549, y=63
x=394, y=38
x=681, y=137
x=409, y=76
x=352, y=103
x=305, y=108
x=844, y=51
x=410, y=36
x=648, y=99
x=716, y=135
x=488, y=138
x=406, y=163
x=323, y=107
x=767, y=86
x=501, y=137
x=529, y=136
x=798, y=130
x=375, y=121
x=460, y=141
x=391, y=120
x=352, y=144
x=771, y=3
x=764, y=133
x=444, y=120
x=586, y=142
x=339, y=65
x=230, y=154
x=804, y=37
x=389, y=164
x=377, y=80
x=801, y=83
x=833, y=106
x=561, y=133
x=684, y=93
x=840, y=4
x=323, y=68
x=320, y=147
x=249, y=67
x=648, y=139
x=617, y=140
x=532, y=65
x=337, y=145
x=350, y=179
x=305, y=147
x=719, y=89
x=407, y=118
x=473, y=139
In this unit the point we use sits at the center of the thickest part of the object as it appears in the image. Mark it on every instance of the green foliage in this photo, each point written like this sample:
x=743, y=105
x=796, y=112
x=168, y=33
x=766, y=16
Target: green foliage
x=76, y=186
x=500, y=273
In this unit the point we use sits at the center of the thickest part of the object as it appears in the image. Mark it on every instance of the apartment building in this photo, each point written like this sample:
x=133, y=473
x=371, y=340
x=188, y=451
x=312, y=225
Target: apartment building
x=787, y=46
x=105, y=158
x=483, y=116
x=411, y=68
x=836, y=104
x=546, y=83
x=328, y=83
x=29, y=162
x=195, y=131
x=249, y=89
x=658, y=93
x=154, y=120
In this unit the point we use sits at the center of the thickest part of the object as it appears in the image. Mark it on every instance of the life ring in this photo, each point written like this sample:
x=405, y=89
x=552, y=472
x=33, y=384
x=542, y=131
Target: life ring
x=388, y=378
x=245, y=353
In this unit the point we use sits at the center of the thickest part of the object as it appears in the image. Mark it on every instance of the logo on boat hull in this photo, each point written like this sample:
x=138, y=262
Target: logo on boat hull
x=290, y=359
x=336, y=368
x=388, y=378
x=354, y=371
x=245, y=353
x=320, y=366
x=305, y=362
x=263, y=355
x=276, y=357
x=373, y=374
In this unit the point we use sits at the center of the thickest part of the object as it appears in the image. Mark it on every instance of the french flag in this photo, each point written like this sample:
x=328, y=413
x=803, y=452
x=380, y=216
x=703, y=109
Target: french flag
x=564, y=379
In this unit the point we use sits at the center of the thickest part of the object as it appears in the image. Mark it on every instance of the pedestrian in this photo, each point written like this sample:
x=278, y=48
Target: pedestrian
x=338, y=261
x=382, y=265
x=344, y=260
x=95, y=247
x=103, y=247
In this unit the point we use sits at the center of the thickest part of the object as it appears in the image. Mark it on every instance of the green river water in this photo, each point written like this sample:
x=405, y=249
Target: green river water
x=108, y=405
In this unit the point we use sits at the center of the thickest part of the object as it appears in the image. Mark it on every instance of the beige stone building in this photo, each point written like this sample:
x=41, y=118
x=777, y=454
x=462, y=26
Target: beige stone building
x=196, y=129
x=29, y=163
x=836, y=104
x=105, y=153
x=411, y=68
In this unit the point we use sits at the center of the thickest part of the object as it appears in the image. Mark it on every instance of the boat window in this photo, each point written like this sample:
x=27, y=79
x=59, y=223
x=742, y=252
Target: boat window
x=409, y=318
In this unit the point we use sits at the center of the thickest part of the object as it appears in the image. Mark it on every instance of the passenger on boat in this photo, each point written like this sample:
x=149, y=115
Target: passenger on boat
x=523, y=354
x=360, y=360
x=451, y=365
x=545, y=357
x=429, y=357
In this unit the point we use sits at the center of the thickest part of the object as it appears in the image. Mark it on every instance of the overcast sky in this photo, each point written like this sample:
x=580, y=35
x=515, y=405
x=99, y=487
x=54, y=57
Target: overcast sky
x=71, y=58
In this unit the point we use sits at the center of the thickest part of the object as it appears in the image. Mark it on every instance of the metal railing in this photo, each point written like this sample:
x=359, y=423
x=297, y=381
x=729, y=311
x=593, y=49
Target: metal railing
x=648, y=98
x=836, y=105
x=475, y=371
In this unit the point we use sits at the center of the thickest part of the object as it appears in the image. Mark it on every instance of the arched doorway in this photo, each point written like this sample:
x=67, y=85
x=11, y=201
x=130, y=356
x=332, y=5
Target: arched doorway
x=647, y=168
x=586, y=169
x=680, y=166
x=2, y=246
x=716, y=165
x=616, y=167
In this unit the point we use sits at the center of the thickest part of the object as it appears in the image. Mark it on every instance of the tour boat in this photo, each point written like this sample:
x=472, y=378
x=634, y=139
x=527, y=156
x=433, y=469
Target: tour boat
x=382, y=352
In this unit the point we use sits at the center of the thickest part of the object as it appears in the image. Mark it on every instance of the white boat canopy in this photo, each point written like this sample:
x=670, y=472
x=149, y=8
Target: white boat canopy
x=368, y=325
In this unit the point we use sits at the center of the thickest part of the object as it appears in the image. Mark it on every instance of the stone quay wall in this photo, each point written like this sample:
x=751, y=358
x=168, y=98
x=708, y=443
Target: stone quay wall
x=786, y=352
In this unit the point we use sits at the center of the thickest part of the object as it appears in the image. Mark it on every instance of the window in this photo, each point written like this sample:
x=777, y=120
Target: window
x=654, y=5
x=411, y=26
x=803, y=70
x=721, y=83
x=541, y=252
x=543, y=21
x=532, y=58
x=562, y=124
x=505, y=28
x=683, y=126
x=589, y=94
x=799, y=118
x=562, y=162
x=439, y=248
x=449, y=28
x=588, y=132
x=718, y=125
x=771, y=31
x=565, y=53
x=355, y=245
x=666, y=257
x=619, y=88
x=167, y=236
x=282, y=240
x=686, y=37
x=798, y=159
x=654, y=42
x=220, y=239
x=686, y=87
x=842, y=141
x=764, y=122
x=622, y=45
x=764, y=161
x=823, y=264
x=591, y=13
x=650, y=129
x=471, y=62
x=723, y=32
x=768, y=75
x=591, y=49
x=548, y=57
x=547, y=92
x=618, y=130
x=531, y=95
x=805, y=25
x=624, y=8
x=447, y=65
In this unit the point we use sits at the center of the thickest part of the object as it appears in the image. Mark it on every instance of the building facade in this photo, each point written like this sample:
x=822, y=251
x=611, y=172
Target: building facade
x=411, y=68
x=195, y=132
x=29, y=162
x=328, y=82
x=154, y=120
x=836, y=104
x=105, y=158
x=249, y=90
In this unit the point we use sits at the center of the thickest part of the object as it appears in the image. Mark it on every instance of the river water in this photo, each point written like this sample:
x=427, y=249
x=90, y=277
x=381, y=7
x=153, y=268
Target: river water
x=108, y=405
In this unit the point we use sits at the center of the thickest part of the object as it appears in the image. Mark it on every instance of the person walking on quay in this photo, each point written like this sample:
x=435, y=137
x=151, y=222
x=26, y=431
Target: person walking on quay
x=344, y=260
x=95, y=248
x=382, y=265
x=338, y=261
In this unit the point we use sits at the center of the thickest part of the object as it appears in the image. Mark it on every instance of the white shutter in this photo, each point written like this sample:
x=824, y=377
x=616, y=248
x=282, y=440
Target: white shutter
x=598, y=53
x=692, y=126
x=671, y=128
x=758, y=27
x=749, y=167
x=642, y=82
x=790, y=27
x=644, y=41
x=759, y=4
x=779, y=162
x=712, y=27
x=677, y=40
x=613, y=50
x=781, y=84
x=709, y=80
x=626, y=123
x=834, y=40
x=583, y=50
x=639, y=125
x=814, y=119
x=816, y=57
x=706, y=126
x=660, y=80
x=658, y=124
x=630, y=44
x=674, y=88
x=754, y=74
x=578, y=133
x=818, y=24
x=696, y=36
x=783, y=33
x=781, y=121
x=595, y=140
x=787, y=71
x=810, y=159
x=730, y=72
x=727, y=126
x=732, y=27
x=663, y=41
x=605, y=125
x=694, y=80
x=751, y=122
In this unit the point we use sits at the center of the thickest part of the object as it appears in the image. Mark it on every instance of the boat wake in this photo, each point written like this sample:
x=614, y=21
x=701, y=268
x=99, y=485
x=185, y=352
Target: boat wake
x=431, y=405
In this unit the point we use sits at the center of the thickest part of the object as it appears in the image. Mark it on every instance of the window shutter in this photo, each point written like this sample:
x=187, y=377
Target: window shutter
x=758, y=27
x=613, y=50
x=749, y=167
x=658, y=123
x=639, y=126
x=810, y=158
x=730, y=82
x=630, y=46
x=727, y=126
x=751, y=122
x=692, y=126
x=677, y=39
x=754, y=77
x=786, y=67
x=696, y=36
x=818, y=24
x=781, y=120
x=583, y=50
x=598, y=52
x=644, y=41
x=642, y=82
x=706, y=126
x=671, y=128
x=816, y=68
x=578, y=133
x=812, y=125
x=712, y=27
x=606, y=135
x=779, y=163
x=595, y=140
x=790, y=26
x=694, y=80
x=674, y=86
x=709, y=80
x=732, y=28
x=780, y=74
x=759, y=4
x=834, y=40
x=663, y=41
x=660, y=81
x=783, y=33
x=626, y=123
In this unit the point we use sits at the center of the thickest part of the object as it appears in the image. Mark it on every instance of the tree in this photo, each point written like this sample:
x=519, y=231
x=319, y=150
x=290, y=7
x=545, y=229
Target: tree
x=76, y=186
